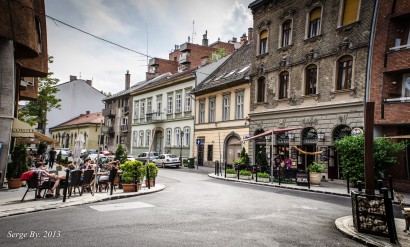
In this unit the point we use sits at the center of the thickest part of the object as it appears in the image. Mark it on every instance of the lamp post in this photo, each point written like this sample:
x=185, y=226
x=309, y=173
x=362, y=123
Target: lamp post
x=180, y=144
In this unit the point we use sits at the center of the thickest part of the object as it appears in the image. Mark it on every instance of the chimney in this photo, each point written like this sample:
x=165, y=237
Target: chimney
x=234, y=39
x=244, y=40
x=127, y=80
x=250, y=34
x=87, y=112
x=89, y=82
x=205, y=39
x=73, y=77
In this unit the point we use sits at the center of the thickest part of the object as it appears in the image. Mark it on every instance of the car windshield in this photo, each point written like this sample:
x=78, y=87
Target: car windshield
x=172, y=156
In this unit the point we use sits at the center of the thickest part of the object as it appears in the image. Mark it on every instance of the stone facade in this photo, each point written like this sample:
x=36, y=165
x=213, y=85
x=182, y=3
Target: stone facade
x=328, y=109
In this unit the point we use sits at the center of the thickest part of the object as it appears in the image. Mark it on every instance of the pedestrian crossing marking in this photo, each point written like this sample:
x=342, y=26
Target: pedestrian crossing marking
x=121, y=206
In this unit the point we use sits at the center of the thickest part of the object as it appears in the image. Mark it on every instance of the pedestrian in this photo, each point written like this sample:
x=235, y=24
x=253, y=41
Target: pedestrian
x=51, y=158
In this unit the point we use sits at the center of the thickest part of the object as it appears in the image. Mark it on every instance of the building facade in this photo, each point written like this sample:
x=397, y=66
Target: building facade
x=390, y=80
x=23, y=58
x=309, y=71
x=222, y=106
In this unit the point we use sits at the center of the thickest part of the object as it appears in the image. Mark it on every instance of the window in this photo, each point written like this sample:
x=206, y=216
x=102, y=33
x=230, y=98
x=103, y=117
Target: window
x=148, y=138
x=142, y=111
x=149, y=106
x=314, y=22
x=124, y=121
x=141, y=138
x=136, y=110
x=286, y=33
x=169, y=104
x=283, y=85
x=168, y=137
x=212, y=109
x=210, y=152
x=344, y=73
x=311, y=79
x=177, y=137
x=178, y=102
x=39, y=38
x=261, y=90
x=123, y=139
x=134, y=138
x=201, y=117
x=350, y=11
x=406, y=86
x=159, y=105
x=239, y=105
x=186, y=136
x=187, y=101
x=263, y=42
x=226, y=107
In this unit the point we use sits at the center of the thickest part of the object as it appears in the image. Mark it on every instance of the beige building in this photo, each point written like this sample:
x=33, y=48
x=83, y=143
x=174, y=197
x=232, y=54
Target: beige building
x=221, y=107
x=88, y=124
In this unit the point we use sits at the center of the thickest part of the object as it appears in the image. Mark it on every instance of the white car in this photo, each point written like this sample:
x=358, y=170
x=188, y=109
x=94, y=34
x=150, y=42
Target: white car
x=167, y=160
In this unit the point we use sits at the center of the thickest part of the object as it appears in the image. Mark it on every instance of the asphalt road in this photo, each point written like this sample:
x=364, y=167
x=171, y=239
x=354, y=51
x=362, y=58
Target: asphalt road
x=194, y=210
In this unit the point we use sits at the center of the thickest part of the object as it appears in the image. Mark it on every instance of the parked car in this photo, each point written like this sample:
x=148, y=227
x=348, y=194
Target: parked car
x=143, y=156
x=105, y=153
x=92, y=151
x=65, y=152
x=167, y=160
x=68, y=151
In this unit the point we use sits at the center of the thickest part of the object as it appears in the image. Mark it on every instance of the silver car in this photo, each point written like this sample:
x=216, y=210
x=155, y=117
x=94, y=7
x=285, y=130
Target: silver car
x=167, y=160
x=144, y=156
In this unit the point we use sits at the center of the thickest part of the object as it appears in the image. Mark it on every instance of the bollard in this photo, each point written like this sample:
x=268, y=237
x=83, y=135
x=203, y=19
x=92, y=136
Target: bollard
x=220, y=167
x=135, y=180
x=215, y=167
x=348, y=183
x=67, y=173
x=391, y=187
x=389, y=215
x=238, y=172
x=256, y=177
x=279, y=175
x=225, y=169
x=149, y=185
x=360, y=186
x=380, y=185
x=308, y=177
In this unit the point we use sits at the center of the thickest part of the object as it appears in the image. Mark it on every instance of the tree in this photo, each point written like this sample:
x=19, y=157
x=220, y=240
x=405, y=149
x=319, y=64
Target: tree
x=351, y=152
x=262, y=158
x=218, y=54
x=106, y=94
x=121, y=154
x=35, y=112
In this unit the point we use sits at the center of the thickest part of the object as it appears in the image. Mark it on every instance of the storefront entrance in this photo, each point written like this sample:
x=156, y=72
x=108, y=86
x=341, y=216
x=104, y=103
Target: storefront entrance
x=338, y=133
x=309, y=141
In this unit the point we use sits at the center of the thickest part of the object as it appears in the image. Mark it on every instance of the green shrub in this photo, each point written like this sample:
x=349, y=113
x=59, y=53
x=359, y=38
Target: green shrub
x=121, y=154
x=18, y=164
x=230, y=171
x=153, y=170
x=133, y=170
x=263, y=175
x=316, y=167
x=245, y=173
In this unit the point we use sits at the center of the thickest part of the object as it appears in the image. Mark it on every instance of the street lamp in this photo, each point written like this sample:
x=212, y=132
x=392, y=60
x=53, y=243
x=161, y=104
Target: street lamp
x=180, y=144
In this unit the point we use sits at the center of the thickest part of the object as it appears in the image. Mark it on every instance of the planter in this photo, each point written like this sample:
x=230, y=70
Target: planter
x=151, y=183
x=243, y=177
x=130, y=187
x=14, y=183
x=264, y=180
x=231, y=175
x=315, y=178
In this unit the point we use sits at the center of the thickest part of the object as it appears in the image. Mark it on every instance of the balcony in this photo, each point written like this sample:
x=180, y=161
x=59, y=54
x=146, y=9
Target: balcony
x=155, y=117
x=184, y=47
x=126, y=109
x=397, y=58
x=184, y=58
x=124, y=128
x=108, y=113
x=153, y=62
x=110, y=130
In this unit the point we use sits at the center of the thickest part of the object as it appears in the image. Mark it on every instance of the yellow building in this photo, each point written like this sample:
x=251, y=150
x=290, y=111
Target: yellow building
x=222, y=106
x=88, y=124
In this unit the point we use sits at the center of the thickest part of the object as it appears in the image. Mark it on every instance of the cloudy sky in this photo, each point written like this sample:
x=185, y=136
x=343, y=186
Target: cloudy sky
x=126, y=22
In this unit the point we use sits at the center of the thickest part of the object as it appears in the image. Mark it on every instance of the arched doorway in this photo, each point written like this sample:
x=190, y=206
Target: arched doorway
x=309, y=140
x=260, y=144
x=158, y=144
x=339, y=132
x=232, y=148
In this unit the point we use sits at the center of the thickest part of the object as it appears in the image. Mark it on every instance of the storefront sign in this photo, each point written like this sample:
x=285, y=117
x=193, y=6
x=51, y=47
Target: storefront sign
x=283, y=141
x=293, y=153
x=302, y=179
x=323, y=155
x=308, y=141
x=357, y=131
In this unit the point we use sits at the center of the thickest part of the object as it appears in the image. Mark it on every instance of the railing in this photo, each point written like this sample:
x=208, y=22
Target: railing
x=154, y=117
x=124, y=128
x=110, y=130
x=126, y=109
x=108, y=112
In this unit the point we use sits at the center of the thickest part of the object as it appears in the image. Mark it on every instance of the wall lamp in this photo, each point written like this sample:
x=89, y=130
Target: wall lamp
x=321, y=136
x=291, y=136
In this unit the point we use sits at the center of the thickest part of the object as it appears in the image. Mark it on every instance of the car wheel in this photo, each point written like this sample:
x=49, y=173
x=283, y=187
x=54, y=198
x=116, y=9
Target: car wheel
x=163, y=165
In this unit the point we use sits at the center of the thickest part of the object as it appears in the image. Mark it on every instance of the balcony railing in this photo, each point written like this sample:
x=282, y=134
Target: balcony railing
x=108, y=112
x=126, y=109
x=155, y=117
x=124, y=128
x=110, y=130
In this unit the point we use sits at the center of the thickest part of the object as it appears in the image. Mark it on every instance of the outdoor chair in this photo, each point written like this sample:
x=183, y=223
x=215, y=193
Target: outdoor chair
x=87, y=181
x=32, y=184
x=72, y=183
x=405, y=211
x=111, y=180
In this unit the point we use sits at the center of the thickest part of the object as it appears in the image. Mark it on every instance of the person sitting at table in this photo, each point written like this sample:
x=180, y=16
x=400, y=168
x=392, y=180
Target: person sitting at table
x=70, y=167
x=44, y=180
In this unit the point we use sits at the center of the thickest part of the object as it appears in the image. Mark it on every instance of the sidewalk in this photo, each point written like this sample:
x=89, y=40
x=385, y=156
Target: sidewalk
x=10, y=200
x=344, y=224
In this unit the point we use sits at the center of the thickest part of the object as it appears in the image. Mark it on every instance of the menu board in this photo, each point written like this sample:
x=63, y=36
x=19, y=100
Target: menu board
x=293, y=153
x=324, y=155
x=302, y=179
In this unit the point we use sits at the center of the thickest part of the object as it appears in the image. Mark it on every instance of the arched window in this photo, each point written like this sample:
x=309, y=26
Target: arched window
x=350, y=11
x=148, y=138
x=187, y=136
x=283, y=85
x=141, y=138
x=315, y=17
x=168, y=137
x=344, y=73
x=311, y=79
x=261, y=87
x=178, y=136
x=263, y=42
x=134, y=138
x=286, y=33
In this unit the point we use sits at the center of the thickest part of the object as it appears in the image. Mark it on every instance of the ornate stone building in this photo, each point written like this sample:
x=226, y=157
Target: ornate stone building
x=309, y=71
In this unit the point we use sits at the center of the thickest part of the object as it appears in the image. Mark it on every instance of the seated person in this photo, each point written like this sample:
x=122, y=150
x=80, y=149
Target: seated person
x=44, y=179
x=71, y=167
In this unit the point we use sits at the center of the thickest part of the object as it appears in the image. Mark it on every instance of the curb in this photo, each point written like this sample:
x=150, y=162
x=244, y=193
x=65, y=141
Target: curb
x=69, y=204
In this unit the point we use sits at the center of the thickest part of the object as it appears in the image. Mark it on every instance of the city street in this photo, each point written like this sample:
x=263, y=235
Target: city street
x=193, y=210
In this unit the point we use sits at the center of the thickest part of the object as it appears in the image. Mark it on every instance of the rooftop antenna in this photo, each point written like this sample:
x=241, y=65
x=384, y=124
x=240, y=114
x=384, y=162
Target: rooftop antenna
x=193, y=30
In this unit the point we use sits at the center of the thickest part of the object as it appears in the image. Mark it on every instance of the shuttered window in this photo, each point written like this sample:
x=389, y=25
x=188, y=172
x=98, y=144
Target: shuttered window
x=350, y=10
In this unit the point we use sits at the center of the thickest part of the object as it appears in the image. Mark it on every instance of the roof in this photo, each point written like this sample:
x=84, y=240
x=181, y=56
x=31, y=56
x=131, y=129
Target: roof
x=79, y=81
x=254, y=4
x=92, y=118
x=234, y=70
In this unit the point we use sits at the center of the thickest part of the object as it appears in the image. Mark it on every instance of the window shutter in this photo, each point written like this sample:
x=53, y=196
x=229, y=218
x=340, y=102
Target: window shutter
x=350, y=11
x=264, y=34
x=315, y=14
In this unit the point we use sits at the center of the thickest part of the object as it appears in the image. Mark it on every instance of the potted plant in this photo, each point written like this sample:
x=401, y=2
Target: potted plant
x=132, y=171
x=230, y=173
x=153, y=172
x=315, y=173
x=263, y=177
x=245, y=175
x=17, y=166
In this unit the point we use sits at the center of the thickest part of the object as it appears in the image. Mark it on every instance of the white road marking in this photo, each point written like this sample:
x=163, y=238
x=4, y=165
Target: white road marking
x=121, y=206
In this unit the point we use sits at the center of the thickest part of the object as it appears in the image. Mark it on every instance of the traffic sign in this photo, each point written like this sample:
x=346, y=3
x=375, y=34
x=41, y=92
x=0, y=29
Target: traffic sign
x=198, y=141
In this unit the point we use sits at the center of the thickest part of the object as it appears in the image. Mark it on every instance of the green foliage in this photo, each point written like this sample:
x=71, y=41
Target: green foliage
x=351, y=151
x=36, y=111
x=121, y=154
x=245, y=173
x=263, y=175
x=106, y=94
x=261, y=158
x=316, y=167
x=59, y=157
x=42, y=147
x=153, y=170
x=218, y=54
x=133, y=170
x=18, y=164
x=230, y=171
x=66, y=161
x=244, y=157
